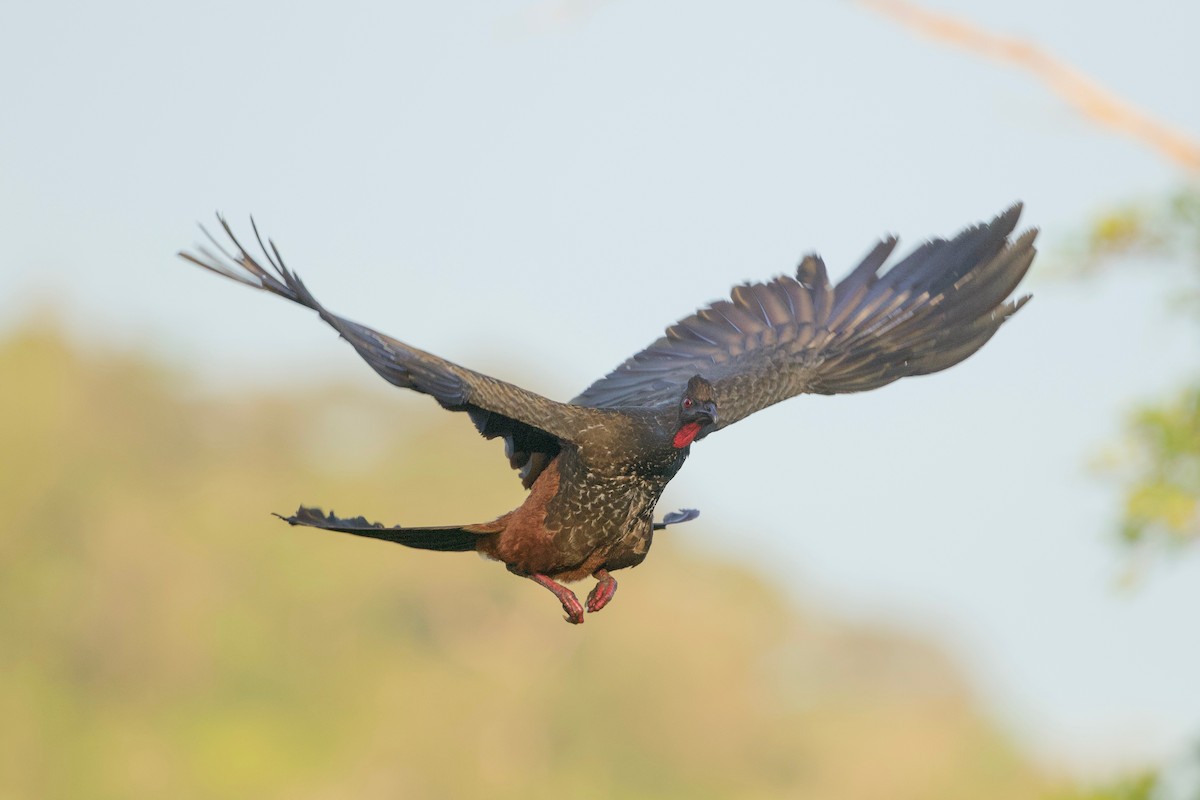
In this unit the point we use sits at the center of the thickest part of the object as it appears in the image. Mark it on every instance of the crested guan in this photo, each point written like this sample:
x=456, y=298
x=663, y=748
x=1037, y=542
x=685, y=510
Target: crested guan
x=596, y=466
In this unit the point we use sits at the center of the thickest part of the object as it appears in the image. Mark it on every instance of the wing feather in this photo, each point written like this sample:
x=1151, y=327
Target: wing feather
x=770, y=341
x=528, y=422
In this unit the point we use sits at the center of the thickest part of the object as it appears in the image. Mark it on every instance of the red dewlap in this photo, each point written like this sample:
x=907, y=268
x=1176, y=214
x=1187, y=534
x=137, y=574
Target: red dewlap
x=685, y=435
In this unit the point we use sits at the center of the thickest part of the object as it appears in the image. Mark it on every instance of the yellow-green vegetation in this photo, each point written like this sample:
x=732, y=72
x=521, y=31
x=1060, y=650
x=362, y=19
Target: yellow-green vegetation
x=1160, y=463
x=1162, y=500
x=163, y=636
x=1135, y=787
x=1165, y=228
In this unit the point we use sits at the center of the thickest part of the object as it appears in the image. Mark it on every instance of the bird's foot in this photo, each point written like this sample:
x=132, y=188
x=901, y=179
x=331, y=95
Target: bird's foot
x=675, y=517
x=570, y=602
x=603, y=592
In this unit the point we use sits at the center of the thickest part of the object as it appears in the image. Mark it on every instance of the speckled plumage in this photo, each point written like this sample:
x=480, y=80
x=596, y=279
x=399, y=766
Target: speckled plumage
x=596, y=466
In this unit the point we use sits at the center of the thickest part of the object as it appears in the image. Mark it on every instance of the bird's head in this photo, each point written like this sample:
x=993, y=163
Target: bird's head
x=697, y=412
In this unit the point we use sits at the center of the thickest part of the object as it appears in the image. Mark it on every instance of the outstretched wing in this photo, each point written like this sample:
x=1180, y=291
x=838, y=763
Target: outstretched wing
x=789, y=336
x=531, y=425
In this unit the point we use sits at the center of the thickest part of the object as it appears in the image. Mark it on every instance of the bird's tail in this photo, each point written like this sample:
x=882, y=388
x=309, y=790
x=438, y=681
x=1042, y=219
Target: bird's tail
x=447, y=539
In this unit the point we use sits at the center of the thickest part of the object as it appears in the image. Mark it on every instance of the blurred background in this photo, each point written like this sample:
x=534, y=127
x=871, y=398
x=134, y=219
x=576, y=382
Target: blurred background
x=977, y=584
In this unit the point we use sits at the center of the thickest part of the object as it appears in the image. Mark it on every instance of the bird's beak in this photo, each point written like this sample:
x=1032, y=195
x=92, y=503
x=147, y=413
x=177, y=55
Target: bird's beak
x=710, y=410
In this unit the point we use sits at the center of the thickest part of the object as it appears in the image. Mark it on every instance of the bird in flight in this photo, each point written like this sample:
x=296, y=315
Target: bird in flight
x=595, y=467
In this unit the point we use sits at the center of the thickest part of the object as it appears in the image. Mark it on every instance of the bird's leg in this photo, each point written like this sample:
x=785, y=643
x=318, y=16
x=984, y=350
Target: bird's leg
x=570, y=602
x=598, y=598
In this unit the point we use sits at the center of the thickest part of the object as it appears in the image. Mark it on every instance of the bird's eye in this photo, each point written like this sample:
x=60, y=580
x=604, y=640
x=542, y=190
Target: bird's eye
x=687, y=403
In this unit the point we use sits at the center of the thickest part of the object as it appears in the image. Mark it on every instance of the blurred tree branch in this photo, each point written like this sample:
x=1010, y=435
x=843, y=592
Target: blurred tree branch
x=1087, y=96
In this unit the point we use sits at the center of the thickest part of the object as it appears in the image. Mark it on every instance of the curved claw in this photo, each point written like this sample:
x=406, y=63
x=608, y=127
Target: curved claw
x=574, y=611
x=603, y=592
x=570, y=602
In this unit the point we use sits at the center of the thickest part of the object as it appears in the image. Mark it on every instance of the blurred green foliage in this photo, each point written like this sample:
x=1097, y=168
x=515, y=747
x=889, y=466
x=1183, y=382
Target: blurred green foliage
x=1162, y=497
x=1166, y=228
x=163, y=636
x=1159, y=460
x=1141, y=786
x=1159, y=463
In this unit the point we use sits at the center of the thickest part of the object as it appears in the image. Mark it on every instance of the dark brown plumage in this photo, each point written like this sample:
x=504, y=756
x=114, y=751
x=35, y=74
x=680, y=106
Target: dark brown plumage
x=596, y=466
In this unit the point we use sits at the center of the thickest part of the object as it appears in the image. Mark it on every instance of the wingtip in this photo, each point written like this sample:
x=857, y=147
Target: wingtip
x=1007, y=219
x=1027, y=238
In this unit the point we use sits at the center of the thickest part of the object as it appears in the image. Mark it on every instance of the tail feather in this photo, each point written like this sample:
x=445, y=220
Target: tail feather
x=447, y=539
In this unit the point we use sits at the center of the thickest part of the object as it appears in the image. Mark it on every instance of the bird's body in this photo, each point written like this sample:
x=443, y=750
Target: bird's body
x=577, y=521
x=596, y=466
x=589, y=511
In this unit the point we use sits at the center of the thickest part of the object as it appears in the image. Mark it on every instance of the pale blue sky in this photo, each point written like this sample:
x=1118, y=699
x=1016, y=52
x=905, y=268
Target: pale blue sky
x=536, y=194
